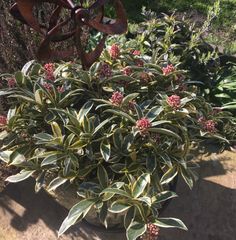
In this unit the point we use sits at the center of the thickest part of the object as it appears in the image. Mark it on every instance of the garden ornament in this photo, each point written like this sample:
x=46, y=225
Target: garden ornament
x=79, y=19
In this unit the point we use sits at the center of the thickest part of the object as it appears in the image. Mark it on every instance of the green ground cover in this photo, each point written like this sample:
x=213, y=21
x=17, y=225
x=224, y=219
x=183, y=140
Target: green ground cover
x=223, y=30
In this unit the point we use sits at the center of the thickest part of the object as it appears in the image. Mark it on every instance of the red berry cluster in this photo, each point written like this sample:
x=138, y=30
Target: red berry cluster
x=48, y=86
x=174, y=101
x=208, y=125
x=105, y=70
x=143, y=124
x=127, y=71
x=139, y=62
x=117, y=98
x=61, y=89
x=3, y=120
x=11, y=82
x=152, y=232
x=114, y=51
x=168, y=69
x=136, y=52
x=49, y=69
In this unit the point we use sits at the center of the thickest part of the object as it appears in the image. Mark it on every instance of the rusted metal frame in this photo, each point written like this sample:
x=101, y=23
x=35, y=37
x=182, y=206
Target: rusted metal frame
x=23, y=11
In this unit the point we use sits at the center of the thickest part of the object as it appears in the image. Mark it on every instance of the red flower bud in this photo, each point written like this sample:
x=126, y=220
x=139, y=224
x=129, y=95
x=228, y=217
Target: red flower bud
x=3, y=120
x=114, y=51
x=143, y=124
x=174, y=101
x=127, y=71
x=105, y=70
x=168, y=69
x=136, y=52
x=117, y=98
x=11, y=82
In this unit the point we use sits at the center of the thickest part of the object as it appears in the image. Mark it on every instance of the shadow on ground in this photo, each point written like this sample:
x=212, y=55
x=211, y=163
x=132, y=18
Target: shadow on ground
x=209, y=210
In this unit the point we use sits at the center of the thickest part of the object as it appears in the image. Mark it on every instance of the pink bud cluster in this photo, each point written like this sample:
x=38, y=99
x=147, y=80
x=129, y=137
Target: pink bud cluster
x=105, y=70
x=48, y=86
x=136, y=52
x=174, y=101
x=127, y=71
x=60, y=89
x=114, y=51
x=49, y=69
x=168, y=69
x=11, y=82
x=208, y=125
x=152, y=232
x=139, y=62
x=143, y=124
x=3, y=120
x=117, y=98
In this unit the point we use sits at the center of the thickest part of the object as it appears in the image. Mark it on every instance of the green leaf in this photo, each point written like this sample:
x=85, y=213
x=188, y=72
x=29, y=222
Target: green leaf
x=121, y=114
x=56, y=130
x=19, y=76
x=186, y=176
x=163, y=196
x=68, y=222
x=165, y=132
x=153, y=113
x=119, y=206
x=135, y=230
x=170, y=223
x=24, y=174
x=81, y=207
x=5, y=156
x=116, y=191
x=102, y=176
x=103, y=214
x=17, y=158
x=151, y=162
x=84, y=111
x=38, y=97
x=105, y=149
x=121, y=77
x=129, y=98
x=129, y=217
x=138, y=111
x=55, y=183
x=78, y=144
x=26, y=68
x=140, y=184
x=25, y=98
x=40, y=180
x=157, y=123
x=169, y=175
x=43, y=137
x=146, y=200
x=35, y=69
x=51, y=160
x=102, y=124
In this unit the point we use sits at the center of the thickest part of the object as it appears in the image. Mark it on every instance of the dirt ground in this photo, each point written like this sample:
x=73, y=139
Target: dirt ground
x=209, y=210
